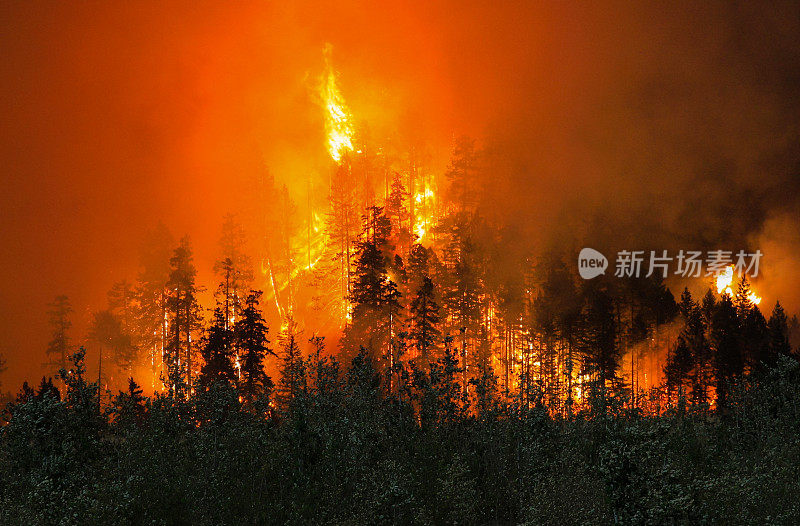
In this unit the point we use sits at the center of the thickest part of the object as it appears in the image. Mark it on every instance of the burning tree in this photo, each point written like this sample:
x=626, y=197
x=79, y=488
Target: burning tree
x=184, y=315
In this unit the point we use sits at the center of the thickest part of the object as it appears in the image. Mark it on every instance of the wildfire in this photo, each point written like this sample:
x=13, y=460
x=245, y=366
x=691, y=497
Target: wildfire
x=424, y=208
x=338, y=121
x=725, y=282
x=426, y=195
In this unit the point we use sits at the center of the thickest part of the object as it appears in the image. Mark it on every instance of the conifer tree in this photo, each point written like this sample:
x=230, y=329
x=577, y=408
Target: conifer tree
x=292, y=371
x=235, y=268
x=725, y=337
x=461, y=294
x=112, y=340
x=253, y=347
x=552, y=323
x=707, y=307
x=129, y=407
x=741, y=299
x=375, y=296
x=462, y=175
x=424, y=330
x=151, y=324
x=755, y=340
x=398, y=213
x=59, y=347
x=183, y=312
x=217, y=352
x=419, y=265
x=599, y=341
x=443, y=401
x=679, y=366
x=778, y=331
x=695, y=335
x=122, y=304
x=342, y=228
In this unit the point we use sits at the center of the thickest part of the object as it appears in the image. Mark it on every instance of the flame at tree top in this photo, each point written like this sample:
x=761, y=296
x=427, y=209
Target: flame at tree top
x=725, y=282
x=338, y=121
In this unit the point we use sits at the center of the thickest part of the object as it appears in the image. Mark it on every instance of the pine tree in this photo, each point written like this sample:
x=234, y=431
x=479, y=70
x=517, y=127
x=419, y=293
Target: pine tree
x=375, y=296
x=707, y=307
x=686, y=361
x=342, y=229
x=183, y=312
x=725, y=337
x=424, y=330
x=755, y=339
x=461, y=298
x=129, y=407
x=778, y=332
x=462, y=175
x=461, y=294
x=599, y=341
x=252, y=346
x=695, y=334
x=552, y=323
x=122, y=304
x=107, y=331
x=292, y=372
x=59, y=347
x=234, y=267
x=680, y=363
x=150, y=293
x=742, y=300
x=444, y=381
x=398, y=214
x=47, y=388
x=217, y=352
x=419, y=265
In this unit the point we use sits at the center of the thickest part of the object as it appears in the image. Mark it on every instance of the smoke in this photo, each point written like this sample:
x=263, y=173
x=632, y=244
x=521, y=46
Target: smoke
x=779, y=240
x=657, y=128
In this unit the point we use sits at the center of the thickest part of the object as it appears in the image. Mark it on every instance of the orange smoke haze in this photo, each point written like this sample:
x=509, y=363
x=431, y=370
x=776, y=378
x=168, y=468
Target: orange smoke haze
x=630, y=123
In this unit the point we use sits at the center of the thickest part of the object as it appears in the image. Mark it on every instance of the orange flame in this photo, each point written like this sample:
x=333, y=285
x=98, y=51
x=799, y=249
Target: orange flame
x=424, y=206
x=725, y=282
x=338, y=120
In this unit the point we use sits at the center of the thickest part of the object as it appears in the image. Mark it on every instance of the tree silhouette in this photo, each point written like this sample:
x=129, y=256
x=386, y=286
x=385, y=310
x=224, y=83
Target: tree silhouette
x=59, y=347
x=253, y=347
x=424, y=330
x=183, y=313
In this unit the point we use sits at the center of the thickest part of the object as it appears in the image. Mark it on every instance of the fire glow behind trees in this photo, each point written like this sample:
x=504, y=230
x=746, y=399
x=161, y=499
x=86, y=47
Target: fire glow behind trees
x=266, y=205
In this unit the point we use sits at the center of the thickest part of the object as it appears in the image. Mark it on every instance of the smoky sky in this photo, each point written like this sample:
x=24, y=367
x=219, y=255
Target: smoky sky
x=672, y=124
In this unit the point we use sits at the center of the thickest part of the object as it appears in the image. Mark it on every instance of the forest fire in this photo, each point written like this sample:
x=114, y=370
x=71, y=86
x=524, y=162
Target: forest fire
x=725, y=284
x=336, y=243
x=724, y=281
x=424, y=211
x=338, y=121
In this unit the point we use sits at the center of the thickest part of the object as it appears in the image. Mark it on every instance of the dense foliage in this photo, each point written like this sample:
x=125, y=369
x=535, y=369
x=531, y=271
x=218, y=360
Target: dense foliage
x=339, y=447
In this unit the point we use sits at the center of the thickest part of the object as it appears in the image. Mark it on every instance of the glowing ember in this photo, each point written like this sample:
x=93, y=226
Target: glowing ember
x=338, y=124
